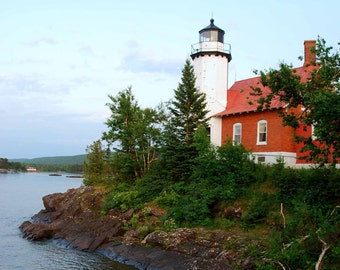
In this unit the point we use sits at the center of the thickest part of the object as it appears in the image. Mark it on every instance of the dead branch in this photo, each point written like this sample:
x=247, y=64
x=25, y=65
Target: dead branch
x=325, y=248
x=338, y=206
x=275, y=261
x=286, y=246
x=283, y=216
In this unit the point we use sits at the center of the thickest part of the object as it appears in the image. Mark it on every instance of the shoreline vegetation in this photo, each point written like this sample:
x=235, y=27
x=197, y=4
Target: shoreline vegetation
x=287, y=218
x=69, y=164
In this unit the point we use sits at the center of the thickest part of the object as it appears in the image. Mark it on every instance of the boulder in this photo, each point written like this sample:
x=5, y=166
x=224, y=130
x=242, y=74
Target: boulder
x=37, y=231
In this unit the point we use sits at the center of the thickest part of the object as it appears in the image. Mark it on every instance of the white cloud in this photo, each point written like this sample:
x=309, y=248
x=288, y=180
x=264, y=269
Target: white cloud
x=40, y=41
x=137, y=62
x=86, y=50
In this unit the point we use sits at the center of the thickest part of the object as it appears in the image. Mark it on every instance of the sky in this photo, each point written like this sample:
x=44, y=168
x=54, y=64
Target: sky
x=59, y=60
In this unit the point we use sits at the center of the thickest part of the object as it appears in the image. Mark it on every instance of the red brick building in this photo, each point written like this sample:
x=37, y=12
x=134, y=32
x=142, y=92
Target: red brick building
x=262, y=132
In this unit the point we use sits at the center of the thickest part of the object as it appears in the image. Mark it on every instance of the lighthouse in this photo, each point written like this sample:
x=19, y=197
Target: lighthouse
x=211, y=57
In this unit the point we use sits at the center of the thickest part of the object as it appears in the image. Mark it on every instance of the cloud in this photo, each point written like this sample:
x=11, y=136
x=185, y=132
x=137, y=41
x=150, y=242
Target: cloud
x=41, y=115
x=137, y=62
x=41, y=40
x=86, y=50
x=31, y=85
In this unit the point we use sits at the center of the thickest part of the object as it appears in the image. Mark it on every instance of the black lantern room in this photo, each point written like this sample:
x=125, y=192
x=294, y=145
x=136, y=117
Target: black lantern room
x=211, y=33
x=211, y=42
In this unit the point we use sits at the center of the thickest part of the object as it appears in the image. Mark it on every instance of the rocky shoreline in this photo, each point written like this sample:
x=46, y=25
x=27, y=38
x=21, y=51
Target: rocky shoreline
x=75, y=218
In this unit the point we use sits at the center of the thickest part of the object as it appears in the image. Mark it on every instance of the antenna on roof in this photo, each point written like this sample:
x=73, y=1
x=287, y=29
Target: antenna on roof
x=212, y=15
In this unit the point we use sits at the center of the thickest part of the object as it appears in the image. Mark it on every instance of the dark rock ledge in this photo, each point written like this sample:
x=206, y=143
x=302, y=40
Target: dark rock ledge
x=74, y=218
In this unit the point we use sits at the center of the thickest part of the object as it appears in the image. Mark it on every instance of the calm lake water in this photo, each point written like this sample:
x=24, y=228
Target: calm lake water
x=20, y=198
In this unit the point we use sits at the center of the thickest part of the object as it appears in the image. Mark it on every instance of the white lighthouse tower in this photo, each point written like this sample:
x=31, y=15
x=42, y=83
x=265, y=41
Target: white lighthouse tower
x=211, y=57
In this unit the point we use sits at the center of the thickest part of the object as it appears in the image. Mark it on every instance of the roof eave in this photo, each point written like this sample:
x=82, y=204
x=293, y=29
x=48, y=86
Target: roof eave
x=221, y=114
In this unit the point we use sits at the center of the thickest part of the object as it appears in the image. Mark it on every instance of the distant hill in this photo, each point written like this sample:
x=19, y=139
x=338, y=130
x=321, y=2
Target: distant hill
x=61, y=160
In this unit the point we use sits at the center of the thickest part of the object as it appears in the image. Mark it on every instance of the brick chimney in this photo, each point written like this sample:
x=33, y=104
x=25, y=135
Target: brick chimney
x=309, y=56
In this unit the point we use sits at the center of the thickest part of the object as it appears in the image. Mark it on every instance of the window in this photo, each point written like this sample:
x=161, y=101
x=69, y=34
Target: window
x=211, y=35
x=205, y=36
x=214, y=35
x=262, y=132
x=261, y=159
x=237, y=133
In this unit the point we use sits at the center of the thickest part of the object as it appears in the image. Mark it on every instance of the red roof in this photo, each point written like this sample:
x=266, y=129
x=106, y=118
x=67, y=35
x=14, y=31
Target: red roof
x=240, y=100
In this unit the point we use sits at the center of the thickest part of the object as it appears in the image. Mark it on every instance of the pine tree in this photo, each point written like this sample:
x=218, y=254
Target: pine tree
x=187, y=113
x=94, y=164
x=189, y=107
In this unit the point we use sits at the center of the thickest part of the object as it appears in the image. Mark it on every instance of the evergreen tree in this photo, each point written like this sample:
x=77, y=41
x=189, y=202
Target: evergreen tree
x=3, y=163
x=187, y=112
x=188, y=109
x=94, y=164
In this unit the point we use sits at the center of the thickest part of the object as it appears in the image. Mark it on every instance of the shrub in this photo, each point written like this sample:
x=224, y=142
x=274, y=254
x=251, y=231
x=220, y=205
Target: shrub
x=258, y=209
x=150, y=186
x=167, y=198
x=190, y=211
x=123, y=200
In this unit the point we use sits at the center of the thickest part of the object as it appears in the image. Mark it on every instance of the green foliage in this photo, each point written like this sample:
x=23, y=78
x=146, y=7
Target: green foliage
x=59, y=160
x=187, y=113
x=188, y=109
x=151, y=185
x=134, y=133
x=258, y=209
x=124, y=110
x=311, y=208
x=167, y=198
x=124, y=167
x=15, y=166
x=94, y=166
x=124, y=197
x=219, y=175
x=3, y=163
x=319, y=187
x=169, y=224
x=71, y=164
x=316, y=95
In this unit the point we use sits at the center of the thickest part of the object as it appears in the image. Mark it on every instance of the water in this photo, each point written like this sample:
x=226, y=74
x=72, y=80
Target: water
x=20, y=198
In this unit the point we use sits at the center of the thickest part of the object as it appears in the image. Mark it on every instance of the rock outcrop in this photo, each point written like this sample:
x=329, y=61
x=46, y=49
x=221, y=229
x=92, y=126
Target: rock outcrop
x=75, y=218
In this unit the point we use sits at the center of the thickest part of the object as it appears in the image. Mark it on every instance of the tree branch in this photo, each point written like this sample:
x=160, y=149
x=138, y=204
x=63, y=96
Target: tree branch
x=275, y=261
x=286, y=246
x=283, y=216
x=325, y=248
x=338, y=206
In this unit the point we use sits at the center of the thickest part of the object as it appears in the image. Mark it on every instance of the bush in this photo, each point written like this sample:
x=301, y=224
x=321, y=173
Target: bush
x=167, y=198
x=123, y=197
x=190, y=211
x=150, y=186
x=258, y=209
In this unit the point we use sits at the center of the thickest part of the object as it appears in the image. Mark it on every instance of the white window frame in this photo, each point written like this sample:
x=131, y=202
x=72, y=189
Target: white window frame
x=314, y=137
x=259, y=125
x=235, y=126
